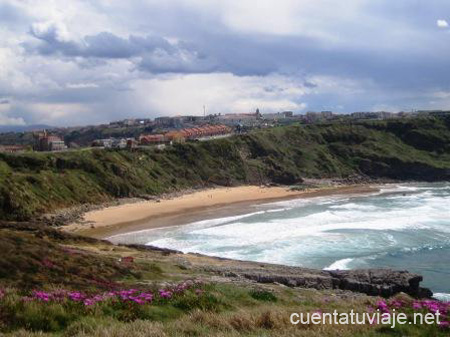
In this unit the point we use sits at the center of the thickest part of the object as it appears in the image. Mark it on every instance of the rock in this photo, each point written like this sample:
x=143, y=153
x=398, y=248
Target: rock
x=381, y=282
x=374, y=282
x=165, y=251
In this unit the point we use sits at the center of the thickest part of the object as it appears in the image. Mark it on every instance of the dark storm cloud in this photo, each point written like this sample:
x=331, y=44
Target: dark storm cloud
x=102, y=45
x=155, y=54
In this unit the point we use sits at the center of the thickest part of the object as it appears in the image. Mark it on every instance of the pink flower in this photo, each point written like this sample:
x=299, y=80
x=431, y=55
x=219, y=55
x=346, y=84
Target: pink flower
x=382, y=306
x=41, y=295
x=444, y=324
x=88, y=302
x=416, y=305
x=165, y=294
x=76, y=296
x=397, y=304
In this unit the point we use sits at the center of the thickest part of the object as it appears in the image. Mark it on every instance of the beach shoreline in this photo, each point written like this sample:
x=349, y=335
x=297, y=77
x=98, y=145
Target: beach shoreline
x=196, y=206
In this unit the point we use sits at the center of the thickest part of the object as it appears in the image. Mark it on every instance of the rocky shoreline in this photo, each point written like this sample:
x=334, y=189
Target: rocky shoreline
x=372, y=282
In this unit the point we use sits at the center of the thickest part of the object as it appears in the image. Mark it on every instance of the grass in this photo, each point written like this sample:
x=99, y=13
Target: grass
x=33, y=261
x=263, y=295
x=235, y=319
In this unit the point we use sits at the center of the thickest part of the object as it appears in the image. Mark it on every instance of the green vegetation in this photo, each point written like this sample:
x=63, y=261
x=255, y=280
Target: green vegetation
x=36, y=183
x=34, y=261
x=263, y=295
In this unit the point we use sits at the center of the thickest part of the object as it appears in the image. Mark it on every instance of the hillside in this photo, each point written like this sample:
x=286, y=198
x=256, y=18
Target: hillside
x=36, y=183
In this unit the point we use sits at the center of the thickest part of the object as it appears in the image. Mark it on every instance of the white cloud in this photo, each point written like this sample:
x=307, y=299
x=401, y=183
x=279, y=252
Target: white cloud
x=81, y=85
x=442, y=23
x=50, y=31
x=220, y=92
x=5, y=120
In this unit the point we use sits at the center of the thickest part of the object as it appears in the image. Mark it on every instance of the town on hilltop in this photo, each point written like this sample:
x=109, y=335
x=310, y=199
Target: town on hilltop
x=162, y=131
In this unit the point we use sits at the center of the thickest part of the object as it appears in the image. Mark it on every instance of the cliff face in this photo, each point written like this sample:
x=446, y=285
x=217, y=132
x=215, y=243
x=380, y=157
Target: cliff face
x=36, y=183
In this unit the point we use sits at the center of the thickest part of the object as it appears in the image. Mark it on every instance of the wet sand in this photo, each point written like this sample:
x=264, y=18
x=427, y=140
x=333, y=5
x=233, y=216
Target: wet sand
x=201, y=205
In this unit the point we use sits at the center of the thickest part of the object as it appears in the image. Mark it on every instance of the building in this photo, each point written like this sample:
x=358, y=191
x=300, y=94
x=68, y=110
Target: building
x=277, y=115
x=130, y=122
x=174, y=136
x=106, y=143
x=57, y=145
x=46, y=142
x=119, y=143
x=326, y=114
x=131, y=143
x=151, y=139
x=164, y=122
x=373, y=115
x=205, y=132
x=238, y=119
x=386, y=115
x=312, y=116
x=179, y=136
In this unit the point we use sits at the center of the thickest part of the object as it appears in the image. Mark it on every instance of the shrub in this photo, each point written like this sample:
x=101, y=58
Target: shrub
x=263, y=295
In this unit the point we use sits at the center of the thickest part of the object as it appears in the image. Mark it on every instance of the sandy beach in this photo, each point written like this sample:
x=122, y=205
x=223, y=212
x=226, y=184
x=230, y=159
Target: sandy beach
x=196, y=206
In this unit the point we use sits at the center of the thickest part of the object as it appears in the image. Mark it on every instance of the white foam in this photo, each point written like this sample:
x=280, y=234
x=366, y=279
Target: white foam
x=197, y=224
x=354, y=206
x=444, y=297
x=339, y=265
x=231, y=232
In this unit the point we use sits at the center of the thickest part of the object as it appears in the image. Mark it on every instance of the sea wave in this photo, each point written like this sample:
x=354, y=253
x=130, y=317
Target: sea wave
x=444, y=297
x=339, y=265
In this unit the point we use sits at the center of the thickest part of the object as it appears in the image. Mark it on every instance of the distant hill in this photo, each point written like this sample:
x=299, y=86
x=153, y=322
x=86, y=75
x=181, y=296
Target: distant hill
x=20, y=134
x=23, y=128
x=83, y=135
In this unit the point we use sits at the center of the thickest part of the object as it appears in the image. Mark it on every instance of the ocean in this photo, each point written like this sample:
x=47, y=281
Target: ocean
x=403, y=226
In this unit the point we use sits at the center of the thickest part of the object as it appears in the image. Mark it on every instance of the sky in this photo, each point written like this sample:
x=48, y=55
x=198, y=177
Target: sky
x=81, y=62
